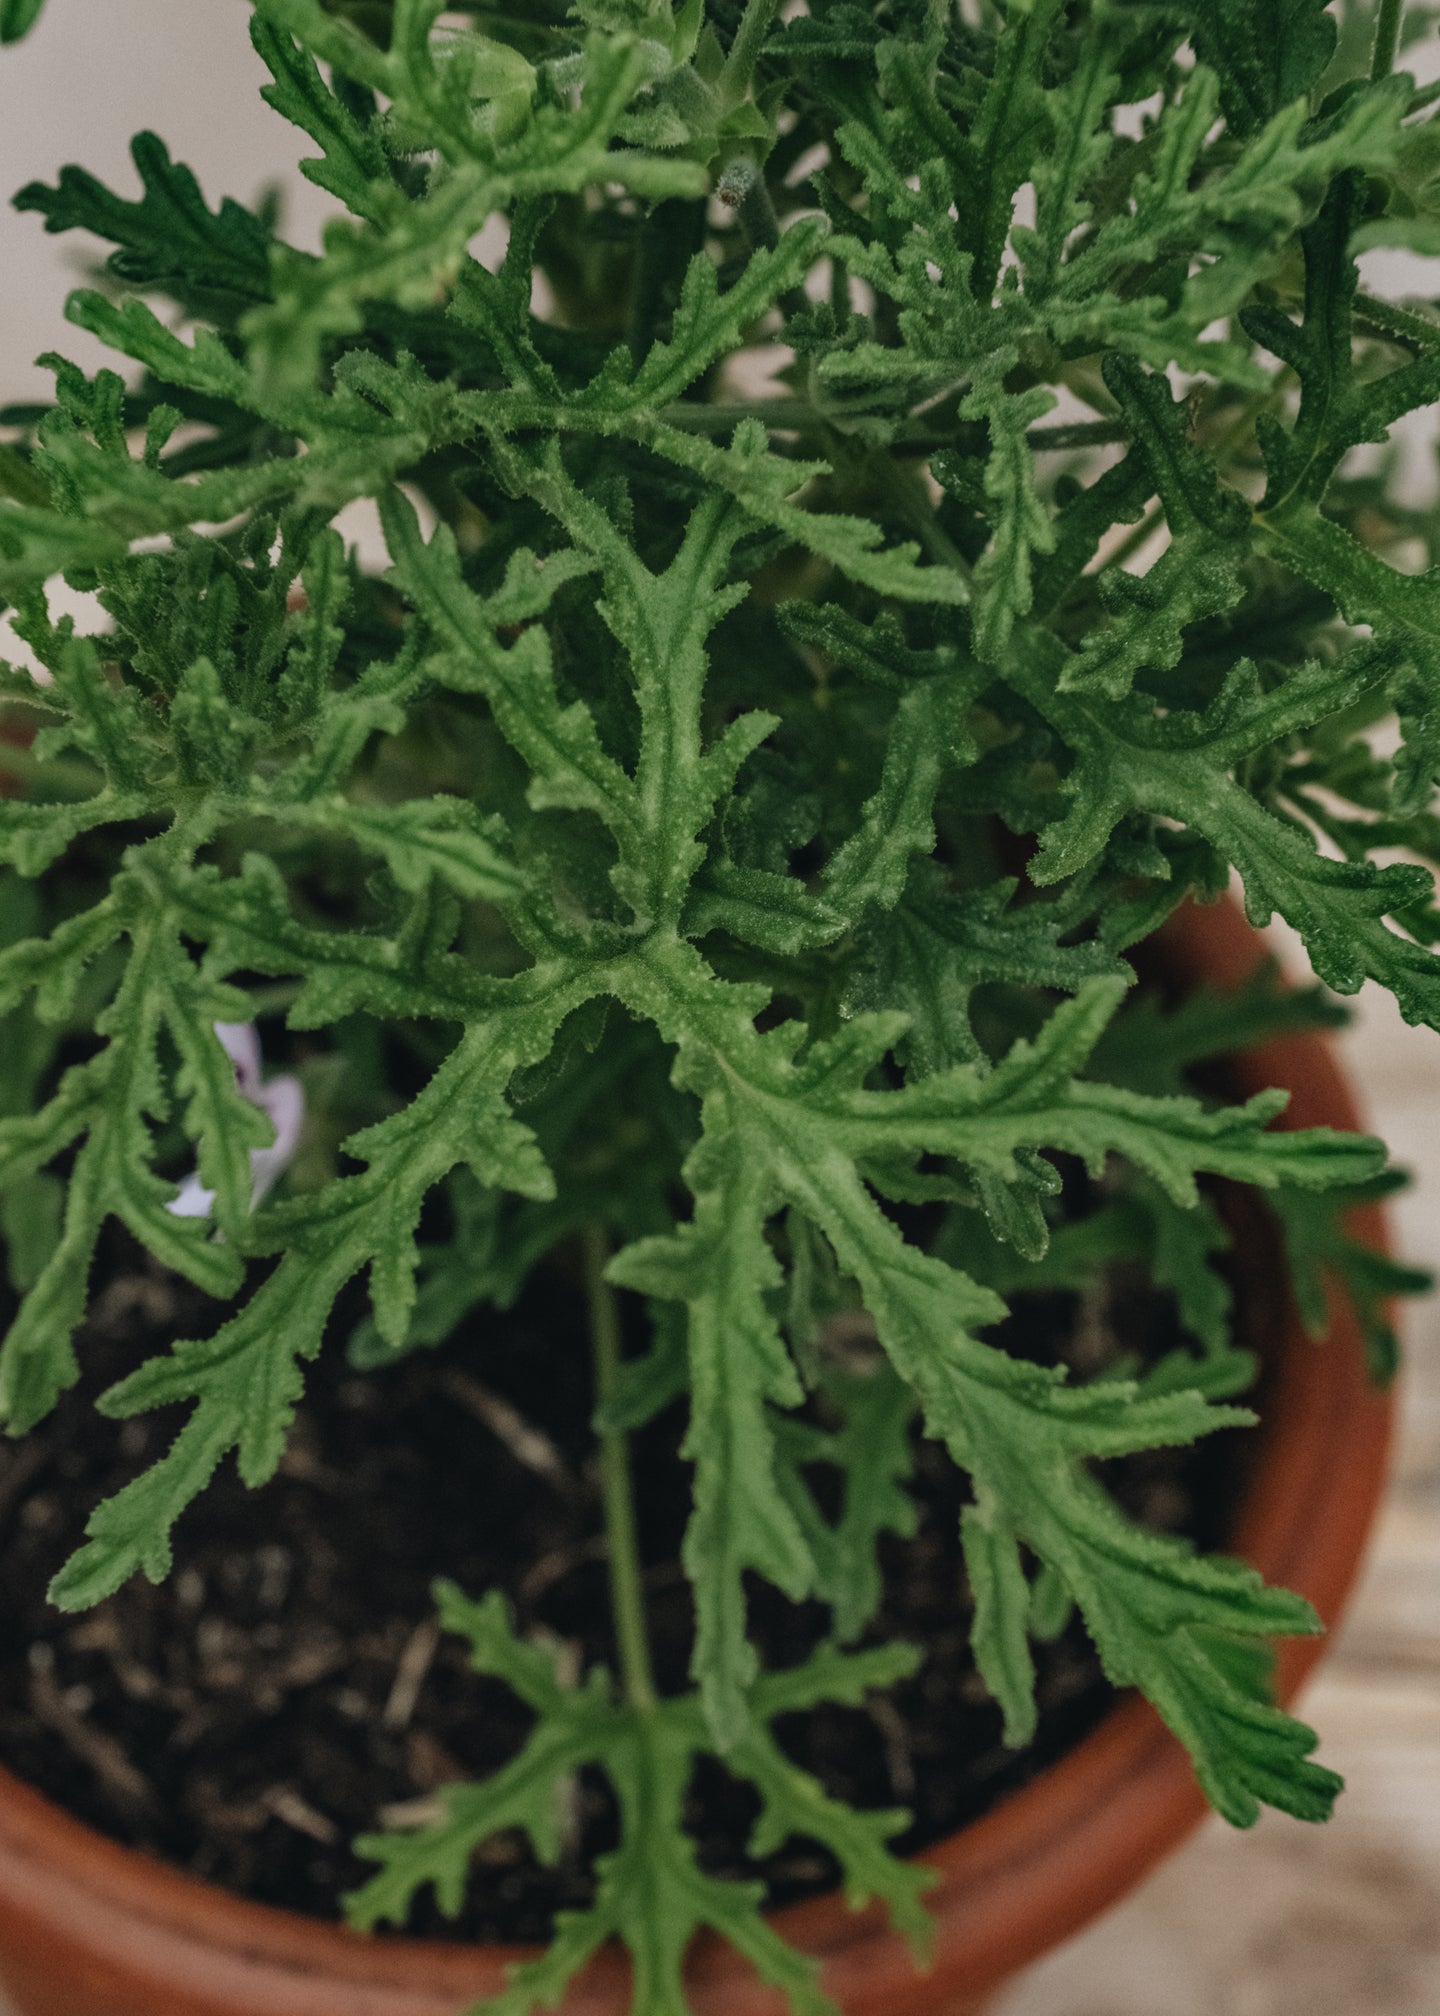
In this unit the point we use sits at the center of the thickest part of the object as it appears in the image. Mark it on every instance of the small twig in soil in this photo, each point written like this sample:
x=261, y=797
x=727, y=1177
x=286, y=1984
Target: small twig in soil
x=527, y=1443
x=100, y=1632
x=151, y=1296
x=288, y=1806
x=428, y=1763
x=1090, y=1344
x=313, y=1660
x=302, y=1464
x=101, y=1753
x=557, y=1564
x=410, y=1671
x=275, y=1566
x=219, y=1646
x=406, y=1813
x=569, y=1657
x=190, y=1589
x=244, y=1816
x=895, y=1740
x=849, y=1340
x=194, y=1727
x=28, y=1460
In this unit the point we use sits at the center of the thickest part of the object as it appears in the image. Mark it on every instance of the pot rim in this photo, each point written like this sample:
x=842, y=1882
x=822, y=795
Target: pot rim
x=1008, y=1886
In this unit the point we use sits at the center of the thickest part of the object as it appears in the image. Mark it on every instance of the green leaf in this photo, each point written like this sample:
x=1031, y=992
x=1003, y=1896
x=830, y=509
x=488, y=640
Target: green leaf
x=937, y=949
x=353, y=165
x=794, y=1803
x=421, y=837
x=1152, y=1046
x=1000, y=1631
x=1002, y=583
x=573, y=1727
x=733, y=825
x=1185, y=1242
x=20, y=480
x=561, y=744
x=1336, y=412
x=1324, y=1256
x=662, y=624
x=108, y=1104
x=1152, y=1606
x=1064, y=171
x=169, y=238
x=706, y=324
x=1241, y=216
x=928, y=736
x=31, y=1223
x=651, y=1893
x=765, y=484
x=244, y=1381
x=223, y=1123
x=1010, y=131
x=215, y=740
x=406, y=250
x=1181, y=767
x=721, y=1265
x=1267, y=52
x=17, y=18
x=1197, y=576
x=870, y=1450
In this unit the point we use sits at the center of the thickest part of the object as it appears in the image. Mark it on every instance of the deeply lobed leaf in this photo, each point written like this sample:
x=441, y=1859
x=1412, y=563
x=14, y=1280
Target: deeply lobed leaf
x=824, y=634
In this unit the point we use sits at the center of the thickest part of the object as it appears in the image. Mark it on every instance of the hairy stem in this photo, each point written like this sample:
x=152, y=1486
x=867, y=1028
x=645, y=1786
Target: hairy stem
x=1387, y=38
x=627, y=1597
x=1415, y=333
x=745, y=50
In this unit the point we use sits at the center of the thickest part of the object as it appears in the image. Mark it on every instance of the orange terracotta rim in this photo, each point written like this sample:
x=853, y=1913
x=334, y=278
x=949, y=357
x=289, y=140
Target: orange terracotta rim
x=88, y=1928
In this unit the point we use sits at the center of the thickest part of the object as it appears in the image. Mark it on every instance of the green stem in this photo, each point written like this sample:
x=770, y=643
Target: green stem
x=734, y=80
x=762, y=228
x=1387, y=39
x=1397, y=325
x=1077, y=434
x=795, y=415
x=906, y=491
x=627, y=1597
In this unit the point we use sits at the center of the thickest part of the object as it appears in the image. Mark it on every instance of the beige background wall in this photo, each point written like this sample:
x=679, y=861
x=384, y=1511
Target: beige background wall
x=1288, y=1921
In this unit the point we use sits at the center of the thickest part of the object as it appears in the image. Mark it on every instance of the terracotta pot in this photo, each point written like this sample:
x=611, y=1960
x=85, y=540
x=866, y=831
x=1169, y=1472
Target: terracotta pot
x=88, y=1928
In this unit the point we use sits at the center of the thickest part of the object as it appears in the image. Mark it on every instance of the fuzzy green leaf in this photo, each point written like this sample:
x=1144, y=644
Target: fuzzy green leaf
x=17, y=18
x=169, y=238
x=721, y=1266
x=733, y=829
x=244, y=1381
x=651, y=1893
x=1002, y=585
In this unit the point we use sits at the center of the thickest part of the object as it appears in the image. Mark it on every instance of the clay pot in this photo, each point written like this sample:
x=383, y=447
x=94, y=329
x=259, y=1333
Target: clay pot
x=88, y=1928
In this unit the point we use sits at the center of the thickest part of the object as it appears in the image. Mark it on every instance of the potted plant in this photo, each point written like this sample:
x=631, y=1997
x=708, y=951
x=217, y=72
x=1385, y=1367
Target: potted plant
x=885, y=524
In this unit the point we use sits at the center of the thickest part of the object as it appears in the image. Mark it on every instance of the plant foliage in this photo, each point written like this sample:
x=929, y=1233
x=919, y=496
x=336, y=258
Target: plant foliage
x=829, y=622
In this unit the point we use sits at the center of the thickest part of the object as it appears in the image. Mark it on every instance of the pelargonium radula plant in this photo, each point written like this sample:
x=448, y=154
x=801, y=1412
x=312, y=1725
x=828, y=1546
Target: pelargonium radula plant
x=833, y=612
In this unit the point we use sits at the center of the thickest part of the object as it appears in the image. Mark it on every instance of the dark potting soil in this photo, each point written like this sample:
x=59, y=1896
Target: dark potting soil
x=286, y=1688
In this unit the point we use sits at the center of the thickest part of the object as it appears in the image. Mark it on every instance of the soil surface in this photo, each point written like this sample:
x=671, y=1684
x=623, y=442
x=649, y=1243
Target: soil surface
x=286, y=1688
